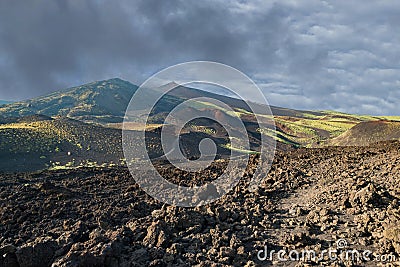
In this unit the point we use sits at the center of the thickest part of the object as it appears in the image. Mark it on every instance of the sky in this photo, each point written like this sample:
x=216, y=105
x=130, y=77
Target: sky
x=337, y=55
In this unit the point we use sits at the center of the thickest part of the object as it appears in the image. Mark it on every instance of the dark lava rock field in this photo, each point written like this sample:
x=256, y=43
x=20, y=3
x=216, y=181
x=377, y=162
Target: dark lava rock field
x=310, y=200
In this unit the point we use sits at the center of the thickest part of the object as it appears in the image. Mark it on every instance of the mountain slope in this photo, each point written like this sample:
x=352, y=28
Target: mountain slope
x=97, y=101
x=4, y=102
x=105, y=102
x=37, y=142
x=102, y=102
x=188, y=93
x=368, y=132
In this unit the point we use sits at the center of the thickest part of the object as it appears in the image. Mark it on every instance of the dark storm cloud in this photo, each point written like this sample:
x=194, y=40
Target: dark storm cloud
x=308, y=54
x=49, y=44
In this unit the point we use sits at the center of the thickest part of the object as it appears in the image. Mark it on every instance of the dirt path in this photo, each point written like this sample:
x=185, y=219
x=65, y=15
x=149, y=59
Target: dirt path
x=345, y=204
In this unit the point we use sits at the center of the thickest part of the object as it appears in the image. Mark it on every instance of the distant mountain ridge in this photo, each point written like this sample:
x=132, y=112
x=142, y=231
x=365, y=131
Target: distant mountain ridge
x=106, y=102
x=188, y=93
x=5, y=102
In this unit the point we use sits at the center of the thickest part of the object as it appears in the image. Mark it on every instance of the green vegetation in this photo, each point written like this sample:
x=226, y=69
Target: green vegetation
x=391, y=118
x=334, y=127
x=311, y=130
x=103, y=101
x=50, y=130
x=202, y=129
x=241, y=150
x=278, y=136
x=84, y=164
x=59, y=140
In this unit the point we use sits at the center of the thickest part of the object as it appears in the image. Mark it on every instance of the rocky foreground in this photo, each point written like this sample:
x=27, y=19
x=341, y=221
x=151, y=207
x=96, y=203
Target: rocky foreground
x=312, y=199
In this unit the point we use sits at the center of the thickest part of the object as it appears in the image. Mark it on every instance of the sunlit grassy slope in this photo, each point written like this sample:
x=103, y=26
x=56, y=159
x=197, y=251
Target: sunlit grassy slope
x=318, y=129
x=39, y=144
x=105, y=102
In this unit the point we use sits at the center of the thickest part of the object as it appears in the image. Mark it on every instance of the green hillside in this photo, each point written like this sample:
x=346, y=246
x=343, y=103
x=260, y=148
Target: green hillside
x=97, y=101
x=305, y=130
x=82, y=125
x=37, y=143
